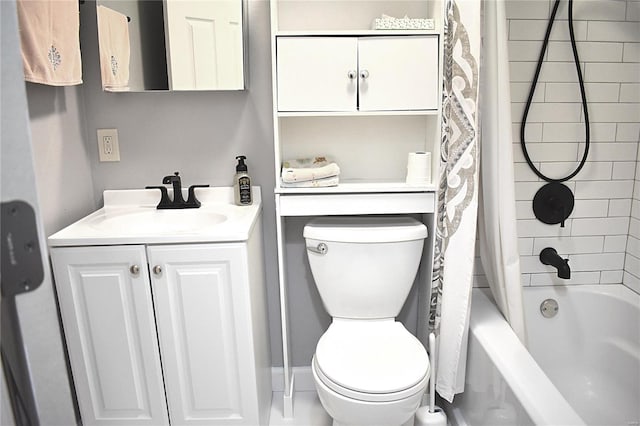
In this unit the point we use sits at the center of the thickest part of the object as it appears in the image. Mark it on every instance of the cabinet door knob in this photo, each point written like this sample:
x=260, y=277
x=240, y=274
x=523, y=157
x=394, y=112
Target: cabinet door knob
x=157, y=270
x=134, y=269
x=364, y=74
x=352, y=74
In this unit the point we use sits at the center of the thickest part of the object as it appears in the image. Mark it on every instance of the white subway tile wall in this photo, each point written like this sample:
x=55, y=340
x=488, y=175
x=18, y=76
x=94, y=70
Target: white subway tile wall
x=601, y=238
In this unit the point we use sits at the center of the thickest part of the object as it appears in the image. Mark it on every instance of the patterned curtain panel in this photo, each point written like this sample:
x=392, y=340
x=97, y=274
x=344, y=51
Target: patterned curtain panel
x=457, y=195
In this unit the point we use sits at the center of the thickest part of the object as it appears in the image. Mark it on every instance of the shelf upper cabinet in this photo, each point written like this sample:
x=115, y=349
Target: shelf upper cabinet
x=395, y=73
x=313, y=73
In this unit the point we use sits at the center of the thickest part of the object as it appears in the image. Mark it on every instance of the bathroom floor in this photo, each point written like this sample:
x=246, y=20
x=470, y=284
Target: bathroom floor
x=307, y=411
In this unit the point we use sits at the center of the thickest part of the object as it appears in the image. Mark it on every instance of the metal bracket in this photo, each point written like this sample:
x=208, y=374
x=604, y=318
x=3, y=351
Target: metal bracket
x=22, y=269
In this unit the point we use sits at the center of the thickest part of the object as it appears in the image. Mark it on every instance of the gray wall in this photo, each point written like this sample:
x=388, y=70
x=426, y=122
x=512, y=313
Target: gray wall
x=63, y=166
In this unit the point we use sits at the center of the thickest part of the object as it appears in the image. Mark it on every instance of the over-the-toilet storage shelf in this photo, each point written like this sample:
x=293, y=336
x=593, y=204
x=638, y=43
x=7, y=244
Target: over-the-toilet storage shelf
x=369, y=132
x=365, y=98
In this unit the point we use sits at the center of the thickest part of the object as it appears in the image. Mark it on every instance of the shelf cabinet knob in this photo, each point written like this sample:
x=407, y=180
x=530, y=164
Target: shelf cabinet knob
x=157, y=270
x=364, y=74
x=134, y=269
x=352, y=74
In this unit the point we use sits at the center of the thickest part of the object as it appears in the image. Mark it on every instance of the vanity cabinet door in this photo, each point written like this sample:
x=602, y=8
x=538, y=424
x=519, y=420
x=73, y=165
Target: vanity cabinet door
x=317, y=73
x=107, y=314
x=203, y=320
x=398, y=73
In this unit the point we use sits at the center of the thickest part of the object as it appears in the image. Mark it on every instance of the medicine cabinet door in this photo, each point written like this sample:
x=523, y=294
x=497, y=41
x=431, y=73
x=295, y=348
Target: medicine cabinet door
x=398, y=73
x=317, y=73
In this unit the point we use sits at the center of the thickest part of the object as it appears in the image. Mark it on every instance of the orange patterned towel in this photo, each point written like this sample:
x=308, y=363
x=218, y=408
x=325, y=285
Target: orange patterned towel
x=115, y=49
x=50, y=40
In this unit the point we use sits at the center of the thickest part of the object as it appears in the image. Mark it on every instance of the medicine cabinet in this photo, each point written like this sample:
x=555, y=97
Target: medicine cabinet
x=195, y=45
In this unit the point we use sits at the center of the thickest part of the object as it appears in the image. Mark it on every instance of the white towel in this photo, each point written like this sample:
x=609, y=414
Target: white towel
x=50, y=41
x=316, y=183
x=115, y=49
x=307, y=169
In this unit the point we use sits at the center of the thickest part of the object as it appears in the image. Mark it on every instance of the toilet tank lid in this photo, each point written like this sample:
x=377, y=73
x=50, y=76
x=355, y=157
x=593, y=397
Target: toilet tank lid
x=365, y=229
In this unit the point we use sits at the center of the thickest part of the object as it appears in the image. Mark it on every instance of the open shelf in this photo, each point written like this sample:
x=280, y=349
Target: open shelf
x=371, y=150
x=347, y=15
x=355, y=186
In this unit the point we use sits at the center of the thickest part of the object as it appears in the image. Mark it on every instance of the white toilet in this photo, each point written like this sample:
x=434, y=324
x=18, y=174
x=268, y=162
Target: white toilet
x=368, y=369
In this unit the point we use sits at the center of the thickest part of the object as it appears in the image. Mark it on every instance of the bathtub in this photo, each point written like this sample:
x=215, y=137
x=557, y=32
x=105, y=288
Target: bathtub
x=582, y=366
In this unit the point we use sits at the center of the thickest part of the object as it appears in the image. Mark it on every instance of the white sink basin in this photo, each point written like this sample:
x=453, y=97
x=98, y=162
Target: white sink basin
x=131, y=217
x=148, y=220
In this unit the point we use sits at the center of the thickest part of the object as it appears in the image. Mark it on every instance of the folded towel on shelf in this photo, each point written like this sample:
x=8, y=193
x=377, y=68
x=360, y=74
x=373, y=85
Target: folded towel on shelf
x=315, y=183
x=50, y=41
x=386, y=22
x=115, y=49
x=307, y=169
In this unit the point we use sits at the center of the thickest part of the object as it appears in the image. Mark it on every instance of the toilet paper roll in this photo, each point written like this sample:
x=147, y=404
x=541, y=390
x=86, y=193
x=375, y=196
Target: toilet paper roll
x=419, y=168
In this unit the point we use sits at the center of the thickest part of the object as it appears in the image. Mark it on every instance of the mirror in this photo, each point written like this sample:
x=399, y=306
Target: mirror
x=149, y=45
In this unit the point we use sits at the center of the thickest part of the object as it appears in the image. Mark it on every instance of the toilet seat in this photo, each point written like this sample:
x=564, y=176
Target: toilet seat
x=371, y=360
x=368, y=397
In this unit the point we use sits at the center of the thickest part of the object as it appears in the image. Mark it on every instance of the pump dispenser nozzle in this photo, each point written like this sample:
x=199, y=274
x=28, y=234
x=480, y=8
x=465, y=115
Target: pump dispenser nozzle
x=241, y=167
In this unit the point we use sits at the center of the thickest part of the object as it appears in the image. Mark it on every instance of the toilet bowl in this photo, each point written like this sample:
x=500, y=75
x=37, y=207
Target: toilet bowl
x=367, y=368
x=370, y=372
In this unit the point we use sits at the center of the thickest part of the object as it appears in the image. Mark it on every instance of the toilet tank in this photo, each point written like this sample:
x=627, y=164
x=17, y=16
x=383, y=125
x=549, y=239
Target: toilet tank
x=364, y=266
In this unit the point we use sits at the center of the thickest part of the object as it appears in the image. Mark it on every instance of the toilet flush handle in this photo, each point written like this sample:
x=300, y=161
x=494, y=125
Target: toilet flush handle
x=320, y=248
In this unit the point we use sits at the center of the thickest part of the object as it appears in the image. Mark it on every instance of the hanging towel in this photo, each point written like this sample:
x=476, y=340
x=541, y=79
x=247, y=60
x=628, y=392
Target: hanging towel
x=50, y=41
x=315, y=183
x=113, y=38
x=306, y=169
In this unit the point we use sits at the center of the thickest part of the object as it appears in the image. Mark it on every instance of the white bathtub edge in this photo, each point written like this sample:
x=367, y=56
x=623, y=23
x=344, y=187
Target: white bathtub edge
x=540, y=398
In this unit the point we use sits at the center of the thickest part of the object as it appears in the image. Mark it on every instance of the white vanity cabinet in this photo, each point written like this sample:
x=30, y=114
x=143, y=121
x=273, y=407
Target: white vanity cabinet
x=167, y=334
x=357, y=73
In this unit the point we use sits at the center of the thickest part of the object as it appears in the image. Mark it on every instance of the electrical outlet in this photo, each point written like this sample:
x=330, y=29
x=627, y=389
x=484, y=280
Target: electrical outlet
x=108, y=148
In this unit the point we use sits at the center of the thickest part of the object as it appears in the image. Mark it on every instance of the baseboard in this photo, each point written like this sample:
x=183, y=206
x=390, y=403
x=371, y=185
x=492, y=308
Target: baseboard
x=303, y=379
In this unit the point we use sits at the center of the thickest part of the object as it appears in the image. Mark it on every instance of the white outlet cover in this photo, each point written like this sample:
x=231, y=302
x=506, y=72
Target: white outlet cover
x=108, y=151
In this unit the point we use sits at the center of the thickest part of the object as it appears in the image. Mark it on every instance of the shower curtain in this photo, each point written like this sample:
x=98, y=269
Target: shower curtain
x=457, y=195
x=496, y=216
x=462, y=202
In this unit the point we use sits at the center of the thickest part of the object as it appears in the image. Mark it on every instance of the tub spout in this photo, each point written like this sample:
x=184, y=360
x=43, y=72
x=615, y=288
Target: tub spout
x=549, y=256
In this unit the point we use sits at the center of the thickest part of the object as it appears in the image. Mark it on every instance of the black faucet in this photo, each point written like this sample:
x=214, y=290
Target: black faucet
x=178, y=201
x=549, y=256
x=175, y=180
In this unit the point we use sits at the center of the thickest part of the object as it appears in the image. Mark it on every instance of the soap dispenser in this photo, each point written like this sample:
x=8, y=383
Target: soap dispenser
x=242, y=183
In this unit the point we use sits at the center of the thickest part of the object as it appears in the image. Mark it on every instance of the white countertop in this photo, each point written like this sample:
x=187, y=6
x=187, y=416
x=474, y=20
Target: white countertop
x=131, y=217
